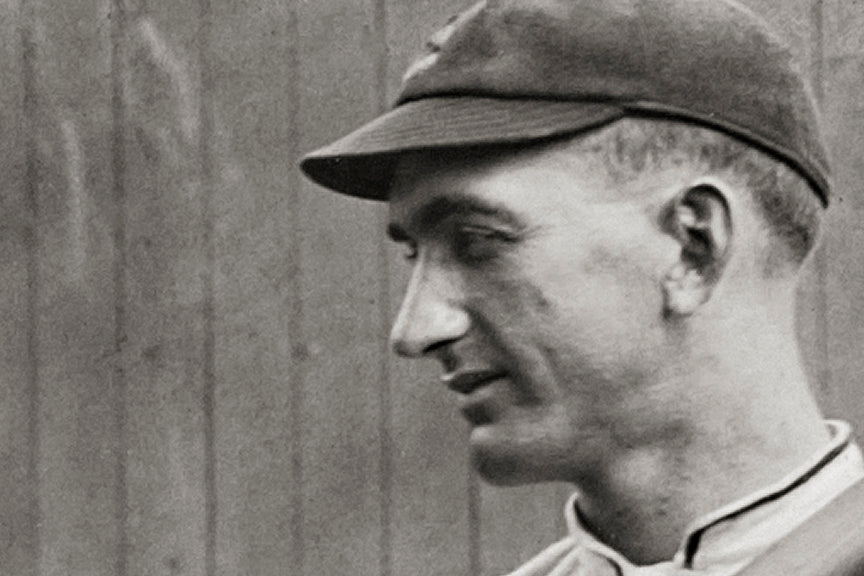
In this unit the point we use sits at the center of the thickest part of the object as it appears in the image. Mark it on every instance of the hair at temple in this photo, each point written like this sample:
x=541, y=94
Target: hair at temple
x=784, y=199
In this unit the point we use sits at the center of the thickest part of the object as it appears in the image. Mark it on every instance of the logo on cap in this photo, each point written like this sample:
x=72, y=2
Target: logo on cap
x=433, y=45
x=437, y=41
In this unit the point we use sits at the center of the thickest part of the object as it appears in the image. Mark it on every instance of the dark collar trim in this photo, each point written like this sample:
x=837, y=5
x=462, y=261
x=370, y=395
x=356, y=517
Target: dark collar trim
x=695, y=538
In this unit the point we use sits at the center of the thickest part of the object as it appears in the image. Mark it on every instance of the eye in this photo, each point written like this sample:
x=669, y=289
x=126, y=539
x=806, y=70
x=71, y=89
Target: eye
x=475, y=244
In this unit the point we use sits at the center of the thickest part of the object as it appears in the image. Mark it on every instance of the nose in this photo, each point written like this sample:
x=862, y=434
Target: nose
x=430, y=315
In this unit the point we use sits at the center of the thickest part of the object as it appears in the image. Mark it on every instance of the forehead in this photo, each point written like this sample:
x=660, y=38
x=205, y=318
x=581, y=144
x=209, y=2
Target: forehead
x=525, y=181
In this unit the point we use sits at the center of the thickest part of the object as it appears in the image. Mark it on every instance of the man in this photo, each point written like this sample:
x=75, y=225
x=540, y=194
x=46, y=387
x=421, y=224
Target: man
x=606, y=205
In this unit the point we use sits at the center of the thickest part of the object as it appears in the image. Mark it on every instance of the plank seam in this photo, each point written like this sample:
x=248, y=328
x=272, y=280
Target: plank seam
x=475, y=528
x=119, y=385
x=295, y=320
x=28, y=71
x=205, y=150
x=381, y=56
x=817, y=22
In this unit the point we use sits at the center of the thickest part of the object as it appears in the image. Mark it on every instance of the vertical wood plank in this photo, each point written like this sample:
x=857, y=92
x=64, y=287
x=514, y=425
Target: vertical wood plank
x=813, y=302
x=117, y=15
x=74, y=322
x=166, y=277
x=341, y=325
x=843, y=72
x=797, y=23
x=19, y=511
x=206, y=148
x=380, y=53
x=431, y=485
x=256, y=88
x=517, y=524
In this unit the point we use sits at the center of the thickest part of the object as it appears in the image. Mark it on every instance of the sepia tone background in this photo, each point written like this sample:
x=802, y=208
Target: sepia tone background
x=194, y=375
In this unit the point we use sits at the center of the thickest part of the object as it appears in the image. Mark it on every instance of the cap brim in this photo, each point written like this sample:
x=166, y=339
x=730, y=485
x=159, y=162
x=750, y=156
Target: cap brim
x=361, y=164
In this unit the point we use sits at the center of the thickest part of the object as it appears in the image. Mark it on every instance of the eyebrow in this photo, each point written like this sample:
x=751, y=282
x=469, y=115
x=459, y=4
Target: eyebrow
x=439, y=209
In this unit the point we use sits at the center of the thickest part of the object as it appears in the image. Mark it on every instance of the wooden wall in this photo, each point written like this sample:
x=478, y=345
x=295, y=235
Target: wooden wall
x=194, y=375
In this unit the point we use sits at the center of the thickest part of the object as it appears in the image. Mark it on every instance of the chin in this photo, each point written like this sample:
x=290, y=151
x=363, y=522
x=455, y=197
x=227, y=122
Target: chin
x=496, y=471
x=503, y=465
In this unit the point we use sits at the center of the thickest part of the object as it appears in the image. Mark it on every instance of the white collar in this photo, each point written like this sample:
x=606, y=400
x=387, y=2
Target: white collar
x=727, y=539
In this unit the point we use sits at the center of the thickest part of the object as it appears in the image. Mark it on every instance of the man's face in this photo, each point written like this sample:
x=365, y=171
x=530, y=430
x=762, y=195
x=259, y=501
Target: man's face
x=536, y=283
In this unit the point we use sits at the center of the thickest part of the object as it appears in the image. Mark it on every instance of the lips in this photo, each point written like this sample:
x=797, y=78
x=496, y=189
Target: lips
x=479, y=402
x=467, y=382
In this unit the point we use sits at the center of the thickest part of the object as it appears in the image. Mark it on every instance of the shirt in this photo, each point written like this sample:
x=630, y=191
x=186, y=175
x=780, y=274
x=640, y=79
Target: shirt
x=725, y=541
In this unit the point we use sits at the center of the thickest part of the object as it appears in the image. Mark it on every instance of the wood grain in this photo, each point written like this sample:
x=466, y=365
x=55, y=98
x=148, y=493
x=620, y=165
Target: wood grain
x=19, y=394
x=195, y=369
x=843, y=75
x=341, y=323
x=80, y=403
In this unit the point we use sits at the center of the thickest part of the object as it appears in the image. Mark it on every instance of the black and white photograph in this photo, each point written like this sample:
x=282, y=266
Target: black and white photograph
x=431, y=287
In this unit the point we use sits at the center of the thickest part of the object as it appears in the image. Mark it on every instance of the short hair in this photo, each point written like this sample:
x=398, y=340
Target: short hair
x=783, y=198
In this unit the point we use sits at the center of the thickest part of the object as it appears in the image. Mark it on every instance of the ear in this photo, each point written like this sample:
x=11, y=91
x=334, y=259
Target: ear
x=700, y=220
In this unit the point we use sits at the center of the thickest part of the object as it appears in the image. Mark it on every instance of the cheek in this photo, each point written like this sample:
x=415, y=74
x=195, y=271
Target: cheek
x=507, y=302
x=613, y=272
x=511, y=320
x=589, y=301
x=603, y=306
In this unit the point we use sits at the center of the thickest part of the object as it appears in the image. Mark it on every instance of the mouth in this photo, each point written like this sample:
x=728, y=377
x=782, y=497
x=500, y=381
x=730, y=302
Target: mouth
x=468, y=382
x=478, y=404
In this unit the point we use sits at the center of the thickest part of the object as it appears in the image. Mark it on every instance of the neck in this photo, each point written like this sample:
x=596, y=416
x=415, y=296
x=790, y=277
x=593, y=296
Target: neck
x=746, y=419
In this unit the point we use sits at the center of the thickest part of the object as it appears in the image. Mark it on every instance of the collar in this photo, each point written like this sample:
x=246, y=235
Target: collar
x=727, y=539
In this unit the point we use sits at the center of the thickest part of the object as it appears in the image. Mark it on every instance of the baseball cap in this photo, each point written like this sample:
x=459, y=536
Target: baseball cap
x=517, y=71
